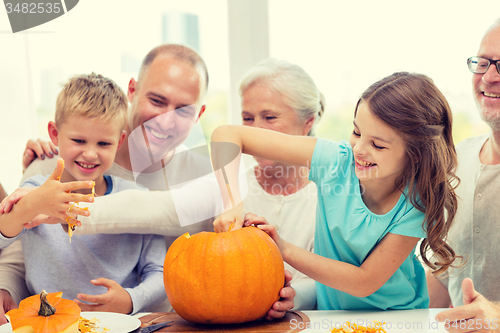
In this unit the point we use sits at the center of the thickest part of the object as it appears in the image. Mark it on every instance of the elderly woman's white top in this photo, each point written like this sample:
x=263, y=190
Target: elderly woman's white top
x=294, y=216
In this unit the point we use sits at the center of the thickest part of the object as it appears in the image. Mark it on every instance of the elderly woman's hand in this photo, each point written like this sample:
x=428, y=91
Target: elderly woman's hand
x=231, y=219
x=285, y=303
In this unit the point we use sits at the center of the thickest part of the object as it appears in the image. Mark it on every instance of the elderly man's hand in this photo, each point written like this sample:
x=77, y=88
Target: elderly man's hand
x=7, y=303
x=285, y=303
x=476, y=315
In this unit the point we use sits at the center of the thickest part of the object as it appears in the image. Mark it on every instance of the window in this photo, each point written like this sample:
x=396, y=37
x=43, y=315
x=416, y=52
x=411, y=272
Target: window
x=106, y=37
x=347, y=45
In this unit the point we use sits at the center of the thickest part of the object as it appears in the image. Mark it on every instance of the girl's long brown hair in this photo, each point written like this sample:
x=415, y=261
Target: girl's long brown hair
x=415, y=108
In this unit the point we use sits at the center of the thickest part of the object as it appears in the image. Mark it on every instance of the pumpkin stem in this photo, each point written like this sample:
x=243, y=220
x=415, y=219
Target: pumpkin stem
x=46, y=309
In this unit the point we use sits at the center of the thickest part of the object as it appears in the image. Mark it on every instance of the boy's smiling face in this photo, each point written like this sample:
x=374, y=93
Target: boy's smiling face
x=88, y=147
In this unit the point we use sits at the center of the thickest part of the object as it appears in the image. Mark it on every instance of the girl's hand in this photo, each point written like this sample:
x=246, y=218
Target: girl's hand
x=231, y=219
x=55, y=199
x=116, y=299
x=261, y=223
x=9, y=201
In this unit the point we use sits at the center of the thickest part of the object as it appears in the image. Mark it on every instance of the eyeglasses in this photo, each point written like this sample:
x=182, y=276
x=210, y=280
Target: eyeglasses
x=480, y=65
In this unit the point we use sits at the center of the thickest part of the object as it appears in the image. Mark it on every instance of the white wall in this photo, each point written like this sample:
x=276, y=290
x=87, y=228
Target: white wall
x=340, y=43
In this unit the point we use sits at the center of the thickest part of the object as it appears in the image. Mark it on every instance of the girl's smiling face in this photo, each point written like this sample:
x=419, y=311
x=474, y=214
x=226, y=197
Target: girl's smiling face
x=379, y=151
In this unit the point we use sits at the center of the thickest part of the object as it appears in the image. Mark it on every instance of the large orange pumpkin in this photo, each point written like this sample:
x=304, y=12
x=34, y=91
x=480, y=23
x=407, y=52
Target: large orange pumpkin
x=223, y=278
x=45, y=313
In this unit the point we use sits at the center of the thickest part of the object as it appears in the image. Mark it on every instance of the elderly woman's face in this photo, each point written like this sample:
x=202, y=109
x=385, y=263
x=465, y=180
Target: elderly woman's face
x=264, y=108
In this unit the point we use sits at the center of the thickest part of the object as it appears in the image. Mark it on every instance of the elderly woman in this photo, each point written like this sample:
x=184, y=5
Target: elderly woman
x=281, y=96
x=275, y=95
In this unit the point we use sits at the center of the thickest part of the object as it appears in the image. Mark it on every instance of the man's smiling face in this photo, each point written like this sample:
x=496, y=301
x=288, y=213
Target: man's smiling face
x=164, y=103
x=486, y=86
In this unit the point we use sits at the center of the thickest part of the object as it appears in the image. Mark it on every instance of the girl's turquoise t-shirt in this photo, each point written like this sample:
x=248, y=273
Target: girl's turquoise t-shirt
x=346, y=230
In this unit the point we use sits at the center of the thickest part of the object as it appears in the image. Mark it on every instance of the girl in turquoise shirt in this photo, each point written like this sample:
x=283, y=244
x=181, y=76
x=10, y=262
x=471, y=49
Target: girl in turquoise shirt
x=378, y=195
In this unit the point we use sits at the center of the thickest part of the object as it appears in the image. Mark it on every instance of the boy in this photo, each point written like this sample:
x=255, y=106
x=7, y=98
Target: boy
x=90, y=117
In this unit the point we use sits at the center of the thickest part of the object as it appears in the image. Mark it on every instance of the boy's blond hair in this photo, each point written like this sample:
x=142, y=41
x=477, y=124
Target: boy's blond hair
x=91, y=95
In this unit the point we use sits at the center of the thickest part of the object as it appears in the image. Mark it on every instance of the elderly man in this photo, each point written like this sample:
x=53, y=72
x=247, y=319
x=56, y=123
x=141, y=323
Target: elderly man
x=476, y=227
x=166, y=102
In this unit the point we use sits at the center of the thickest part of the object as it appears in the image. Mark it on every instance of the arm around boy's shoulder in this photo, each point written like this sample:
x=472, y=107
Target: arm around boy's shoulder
x=43, y=167
x=119, y=184
x=34, y=181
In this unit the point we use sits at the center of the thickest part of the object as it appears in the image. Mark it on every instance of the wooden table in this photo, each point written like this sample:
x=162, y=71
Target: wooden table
x=181, y=325
x=414, y=321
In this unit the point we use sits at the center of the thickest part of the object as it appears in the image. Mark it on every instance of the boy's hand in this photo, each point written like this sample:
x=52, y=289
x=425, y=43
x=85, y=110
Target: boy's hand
x=116, y=299
x=231, y=219
x=38, y=148
x=55, y=199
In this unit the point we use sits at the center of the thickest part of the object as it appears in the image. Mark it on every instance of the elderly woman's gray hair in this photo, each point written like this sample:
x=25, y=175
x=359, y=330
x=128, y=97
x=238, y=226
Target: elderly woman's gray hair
x=293, y=83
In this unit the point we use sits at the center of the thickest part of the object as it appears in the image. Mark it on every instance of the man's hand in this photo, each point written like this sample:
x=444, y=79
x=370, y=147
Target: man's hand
x=232, y=219
x=116, y=299
x=38, y=148
x=476, y=315
x=285, y=303
x=7, y=303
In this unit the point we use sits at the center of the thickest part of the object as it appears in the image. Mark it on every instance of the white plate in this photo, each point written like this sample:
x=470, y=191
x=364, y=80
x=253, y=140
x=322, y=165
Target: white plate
x=115, y=322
